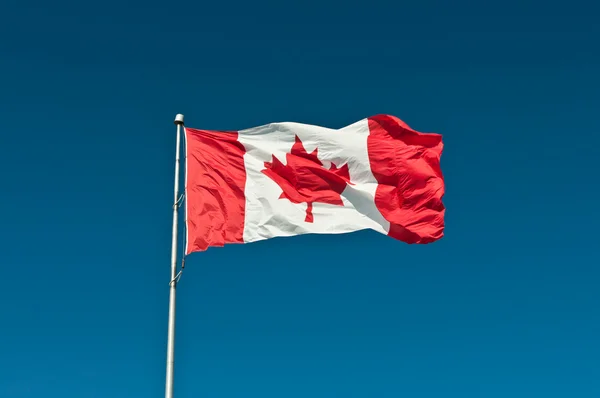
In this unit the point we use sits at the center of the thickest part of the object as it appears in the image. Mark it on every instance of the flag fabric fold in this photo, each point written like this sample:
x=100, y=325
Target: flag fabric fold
x=286, y=179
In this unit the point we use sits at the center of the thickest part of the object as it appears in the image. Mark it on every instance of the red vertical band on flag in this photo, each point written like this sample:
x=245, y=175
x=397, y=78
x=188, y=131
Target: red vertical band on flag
x=215, y=181
x=406, y=164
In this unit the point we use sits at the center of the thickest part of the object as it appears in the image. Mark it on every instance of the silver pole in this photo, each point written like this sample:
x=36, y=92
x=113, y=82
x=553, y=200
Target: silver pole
x=173, y=283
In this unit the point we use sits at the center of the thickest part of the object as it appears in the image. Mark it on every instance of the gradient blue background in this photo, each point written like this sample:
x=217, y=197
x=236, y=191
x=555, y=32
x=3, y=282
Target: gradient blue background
x=506, y=305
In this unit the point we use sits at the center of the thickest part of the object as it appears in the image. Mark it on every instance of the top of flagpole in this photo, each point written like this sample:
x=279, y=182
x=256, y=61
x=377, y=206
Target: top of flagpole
x=179, y=119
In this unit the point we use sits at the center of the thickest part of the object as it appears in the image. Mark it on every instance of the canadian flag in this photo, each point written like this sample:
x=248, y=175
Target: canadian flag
x=285, y=179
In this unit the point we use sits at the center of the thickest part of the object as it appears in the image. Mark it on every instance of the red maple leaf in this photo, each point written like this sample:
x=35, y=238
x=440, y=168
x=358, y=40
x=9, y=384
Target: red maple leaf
x=304, y=179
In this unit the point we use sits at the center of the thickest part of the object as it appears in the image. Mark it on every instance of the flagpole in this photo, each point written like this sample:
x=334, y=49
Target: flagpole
x=173, y=283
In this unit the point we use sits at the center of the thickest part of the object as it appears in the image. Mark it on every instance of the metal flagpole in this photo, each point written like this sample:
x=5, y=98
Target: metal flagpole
x=173, y=283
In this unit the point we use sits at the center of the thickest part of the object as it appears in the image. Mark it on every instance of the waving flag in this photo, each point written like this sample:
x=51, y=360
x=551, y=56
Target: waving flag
x=285, y=179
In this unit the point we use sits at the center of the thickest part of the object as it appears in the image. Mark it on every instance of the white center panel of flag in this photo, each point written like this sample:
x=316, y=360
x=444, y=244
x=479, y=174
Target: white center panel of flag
x=268, y=215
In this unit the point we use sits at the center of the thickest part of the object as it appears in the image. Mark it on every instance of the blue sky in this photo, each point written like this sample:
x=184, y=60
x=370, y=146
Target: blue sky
x=505, y=305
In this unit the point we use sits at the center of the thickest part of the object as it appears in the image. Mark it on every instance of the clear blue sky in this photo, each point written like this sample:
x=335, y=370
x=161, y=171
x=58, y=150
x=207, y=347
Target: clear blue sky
x=506, y=305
